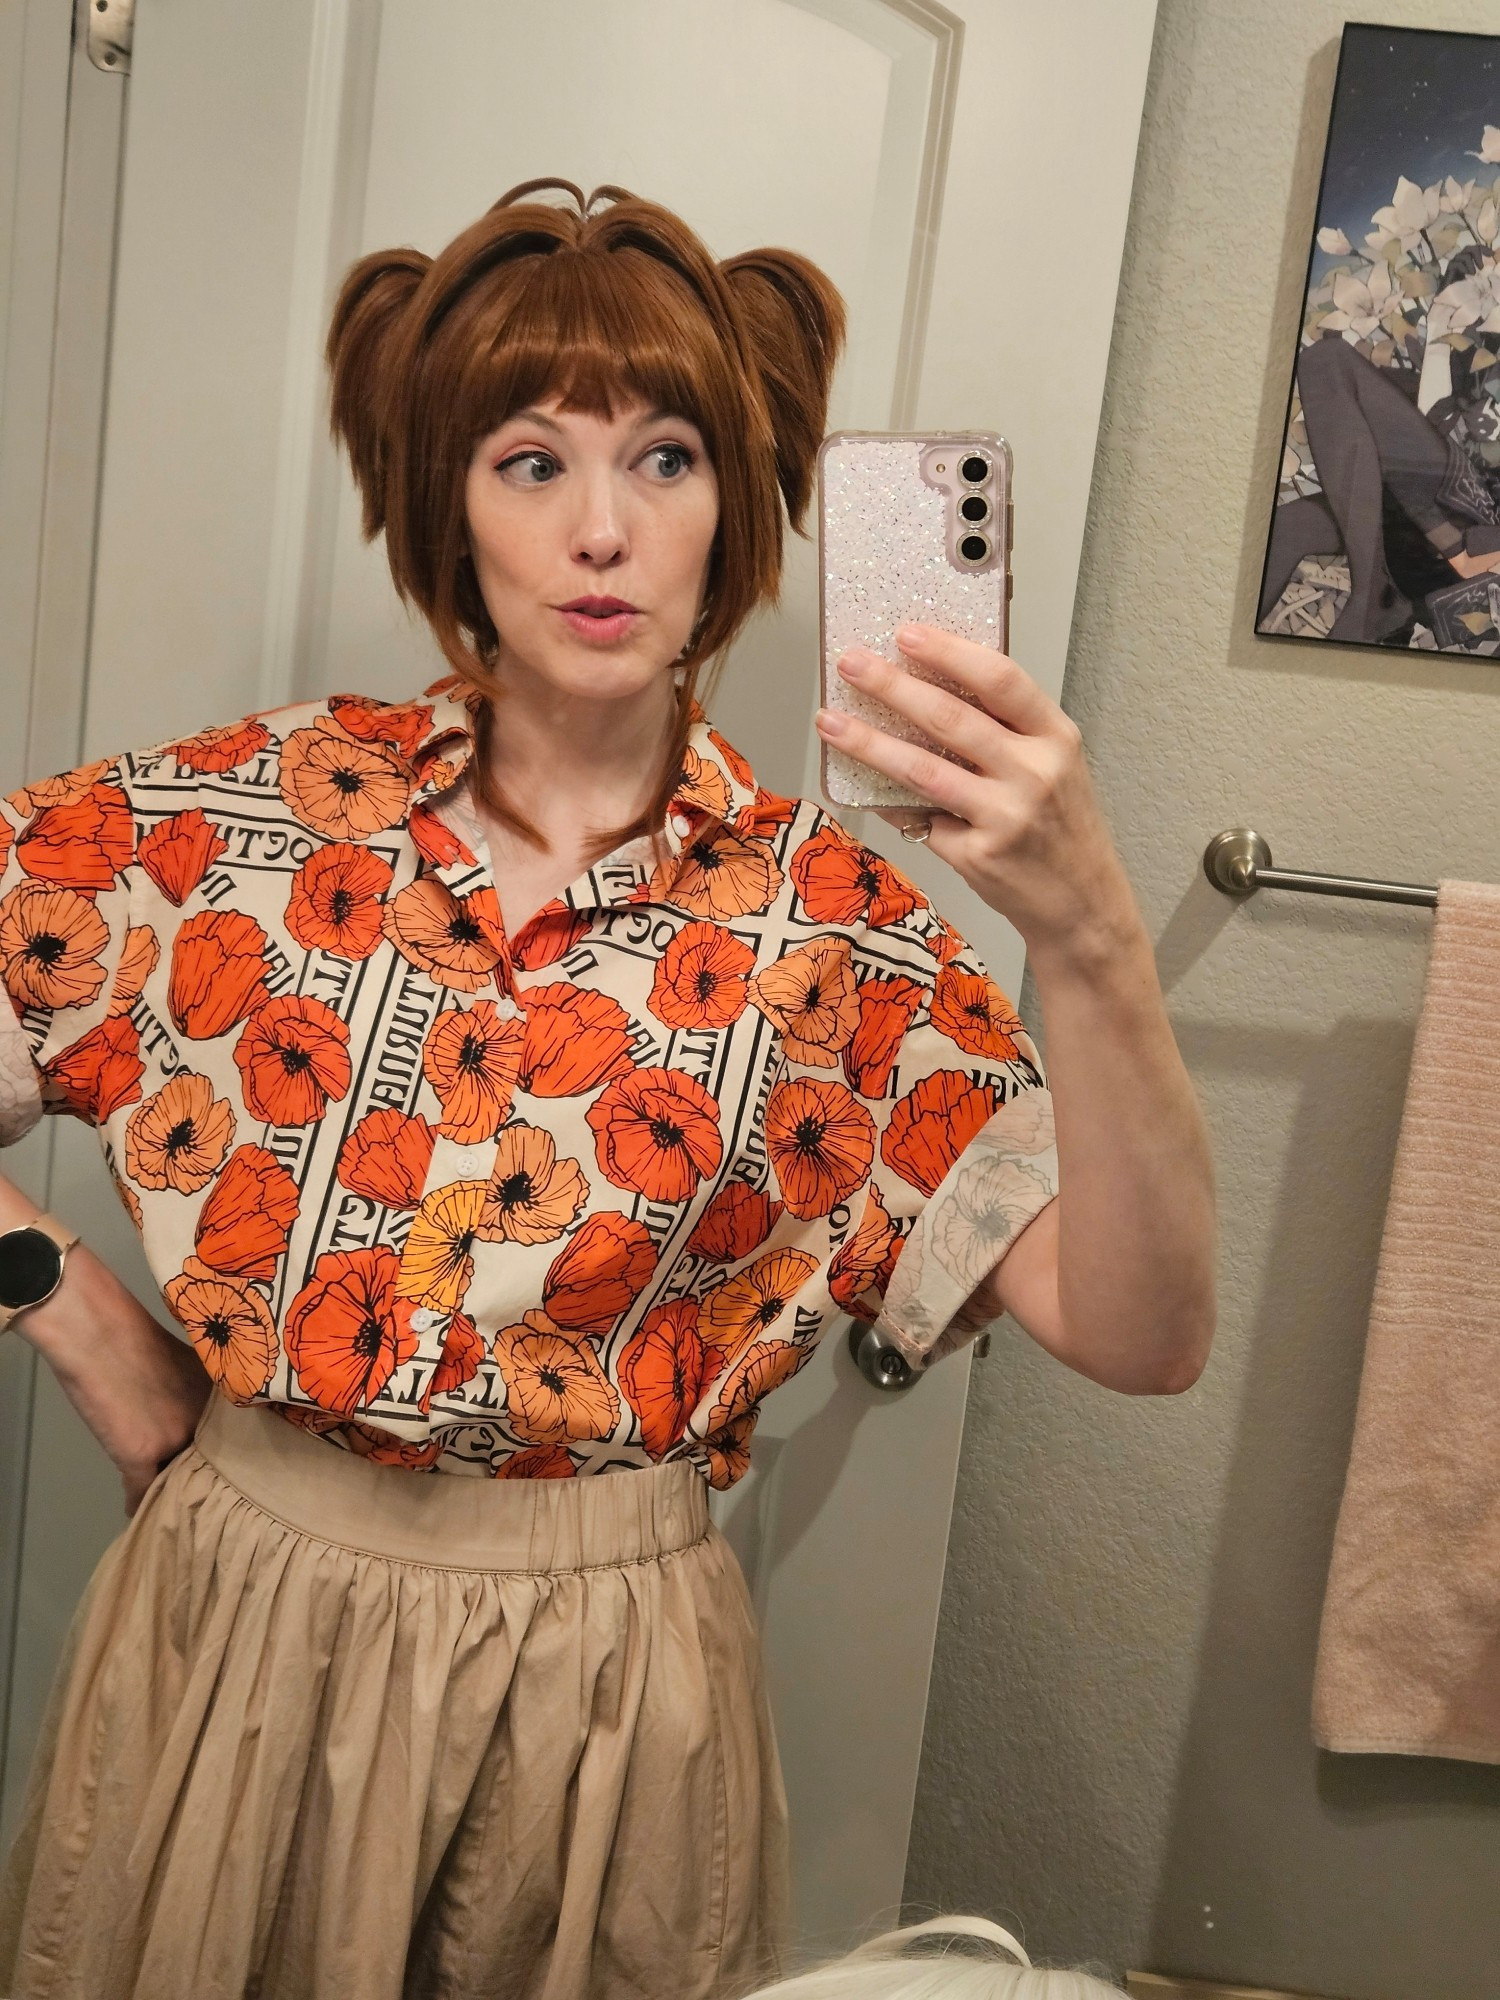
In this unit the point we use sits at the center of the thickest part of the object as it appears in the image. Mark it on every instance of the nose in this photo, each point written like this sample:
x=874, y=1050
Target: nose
x=599, y=537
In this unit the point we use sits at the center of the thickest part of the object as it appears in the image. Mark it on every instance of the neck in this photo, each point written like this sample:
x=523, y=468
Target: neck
x=569, y=763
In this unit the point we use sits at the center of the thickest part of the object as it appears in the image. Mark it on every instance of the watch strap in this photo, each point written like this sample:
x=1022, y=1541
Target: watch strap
x=63, y=1237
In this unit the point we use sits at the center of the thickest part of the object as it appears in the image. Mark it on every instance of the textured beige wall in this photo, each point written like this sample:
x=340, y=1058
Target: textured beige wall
x=1118, y=1747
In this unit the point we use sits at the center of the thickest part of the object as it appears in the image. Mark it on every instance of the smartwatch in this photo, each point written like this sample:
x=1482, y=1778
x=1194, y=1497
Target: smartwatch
x=31, y=1264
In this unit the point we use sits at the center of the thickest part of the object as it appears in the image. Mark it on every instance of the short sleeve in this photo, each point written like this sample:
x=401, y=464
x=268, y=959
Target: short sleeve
x=965, y=1151
x=67, y=846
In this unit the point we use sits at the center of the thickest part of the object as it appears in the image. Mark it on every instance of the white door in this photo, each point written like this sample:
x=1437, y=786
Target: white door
x=963, y=173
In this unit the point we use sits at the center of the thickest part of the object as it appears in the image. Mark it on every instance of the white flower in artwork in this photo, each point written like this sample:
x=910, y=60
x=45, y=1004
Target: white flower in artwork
x=1474, y=302
x=1335, y=242
x=1362, y=305
x=1456, y=195
x=1412, y=210
x=1489, y=147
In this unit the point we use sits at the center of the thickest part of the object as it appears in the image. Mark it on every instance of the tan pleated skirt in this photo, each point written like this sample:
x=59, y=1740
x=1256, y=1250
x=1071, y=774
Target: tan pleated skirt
x=328, y=1730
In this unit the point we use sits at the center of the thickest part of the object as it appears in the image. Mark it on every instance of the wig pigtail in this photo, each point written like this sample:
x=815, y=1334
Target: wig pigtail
x=367, y=318
x=794, y=317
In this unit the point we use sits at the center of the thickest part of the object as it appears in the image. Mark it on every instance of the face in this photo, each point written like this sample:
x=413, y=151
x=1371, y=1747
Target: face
x=591, y=539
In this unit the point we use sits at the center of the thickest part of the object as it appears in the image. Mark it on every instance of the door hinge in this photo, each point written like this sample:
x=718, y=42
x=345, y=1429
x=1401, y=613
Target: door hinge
x=111, y=28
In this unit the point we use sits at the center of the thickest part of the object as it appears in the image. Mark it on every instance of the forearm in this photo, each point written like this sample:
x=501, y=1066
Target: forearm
x=134, y=1384
x=1135, y=1208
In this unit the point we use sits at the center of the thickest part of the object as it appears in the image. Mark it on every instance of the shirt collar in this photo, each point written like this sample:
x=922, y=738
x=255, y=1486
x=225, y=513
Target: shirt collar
x=717, y=785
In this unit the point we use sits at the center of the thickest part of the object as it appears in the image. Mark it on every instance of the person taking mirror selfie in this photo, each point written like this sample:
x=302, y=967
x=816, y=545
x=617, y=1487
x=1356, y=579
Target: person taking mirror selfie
x=509, y=1091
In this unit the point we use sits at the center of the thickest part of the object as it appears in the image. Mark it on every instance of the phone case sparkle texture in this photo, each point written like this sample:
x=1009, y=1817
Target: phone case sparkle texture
x=885, y=563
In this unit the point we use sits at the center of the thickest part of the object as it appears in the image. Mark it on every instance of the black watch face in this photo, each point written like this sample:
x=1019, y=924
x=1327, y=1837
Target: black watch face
x=30, y=1263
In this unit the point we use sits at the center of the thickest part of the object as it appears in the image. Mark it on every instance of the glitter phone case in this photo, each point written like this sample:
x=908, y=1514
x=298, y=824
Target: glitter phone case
x=891, y=536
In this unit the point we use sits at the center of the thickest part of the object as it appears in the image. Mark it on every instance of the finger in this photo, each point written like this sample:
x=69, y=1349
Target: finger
x=1007, y=691
x=948, y=786
x=944, y=828
x=944, y=717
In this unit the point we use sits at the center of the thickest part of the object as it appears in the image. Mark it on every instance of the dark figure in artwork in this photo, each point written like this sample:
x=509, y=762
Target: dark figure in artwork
x=1407, y=497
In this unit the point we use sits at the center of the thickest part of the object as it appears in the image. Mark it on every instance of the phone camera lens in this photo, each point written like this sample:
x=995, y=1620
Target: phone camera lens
x=974, y=548
x=974, y=507
x=973, y=469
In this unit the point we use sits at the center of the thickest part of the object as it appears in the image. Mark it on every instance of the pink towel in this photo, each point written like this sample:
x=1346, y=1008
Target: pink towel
x=1409, y=1654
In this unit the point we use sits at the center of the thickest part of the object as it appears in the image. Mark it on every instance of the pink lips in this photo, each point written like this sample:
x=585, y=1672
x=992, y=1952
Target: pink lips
x=600, y=620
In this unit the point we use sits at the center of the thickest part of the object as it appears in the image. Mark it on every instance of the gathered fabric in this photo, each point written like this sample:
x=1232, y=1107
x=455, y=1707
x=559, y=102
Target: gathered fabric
x=322, y=1731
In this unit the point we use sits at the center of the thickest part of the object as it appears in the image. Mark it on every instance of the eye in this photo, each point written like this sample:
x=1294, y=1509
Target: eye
x=529, y=468
x=669, y=461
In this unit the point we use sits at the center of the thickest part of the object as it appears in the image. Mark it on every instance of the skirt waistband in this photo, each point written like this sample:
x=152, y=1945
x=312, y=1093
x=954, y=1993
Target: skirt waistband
x=446, y=1520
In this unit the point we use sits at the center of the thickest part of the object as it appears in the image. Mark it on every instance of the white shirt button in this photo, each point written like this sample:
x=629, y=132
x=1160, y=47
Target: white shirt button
x=681, y=825
x=423, y=1320
x=507, y=1008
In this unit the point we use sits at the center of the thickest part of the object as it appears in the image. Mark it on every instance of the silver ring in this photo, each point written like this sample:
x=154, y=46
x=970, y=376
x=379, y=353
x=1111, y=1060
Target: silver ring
x=917, y=829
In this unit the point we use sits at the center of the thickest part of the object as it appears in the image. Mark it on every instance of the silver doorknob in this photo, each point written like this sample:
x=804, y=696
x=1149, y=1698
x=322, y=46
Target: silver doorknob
x=882, y=1365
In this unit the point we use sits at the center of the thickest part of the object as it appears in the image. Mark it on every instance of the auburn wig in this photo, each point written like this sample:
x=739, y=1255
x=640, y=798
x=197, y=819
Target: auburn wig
x=611, y=300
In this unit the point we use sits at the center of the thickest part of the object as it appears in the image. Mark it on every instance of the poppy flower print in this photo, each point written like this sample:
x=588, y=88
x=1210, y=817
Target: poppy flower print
x=538, y=1461
x=243, y=1225
x=765, y=1367
x=810, y=994
x=971, y=1010
x=537, y=1207
x=178, y=852
x=605, y=1266
x=463, y=1350
x=886, y=1008
x=750, y=1303
x=81, y=843
x=556, y=1387
x=139, y=957
x=218, y=972
x=438, y=1259
x=179, y=1137
x=50, y=946
x=575, y=1039
x=721, y=876
x=841, y=882
x=335, y=904
x=349, y=1329
x=472, y=1057
x=702, y=786
x=932, y=1124
x=221, y=749
x=230, y=1326
x=386, y=1157
x=548, y=936
x=100, y=1072
x=862, y=1265
x=656, y=1131
x=701, y=979
x=293, y=1056
x=442, y=935
x=737, y=1221
x=341, y=787
x=661, y=1373
x=821, y=1139
x=532, y=1195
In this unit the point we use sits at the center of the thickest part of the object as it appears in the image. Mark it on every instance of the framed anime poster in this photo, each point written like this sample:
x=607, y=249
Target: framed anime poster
x=1386, y=527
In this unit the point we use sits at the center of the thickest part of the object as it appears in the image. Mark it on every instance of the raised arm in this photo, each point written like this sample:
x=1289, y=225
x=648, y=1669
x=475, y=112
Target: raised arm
x=1115, y=1276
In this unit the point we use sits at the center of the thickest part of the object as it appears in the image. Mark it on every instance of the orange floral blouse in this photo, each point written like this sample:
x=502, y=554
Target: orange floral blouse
x=560, y=1203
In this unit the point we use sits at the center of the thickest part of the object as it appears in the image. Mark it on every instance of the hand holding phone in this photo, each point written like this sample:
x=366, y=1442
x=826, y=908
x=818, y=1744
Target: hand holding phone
x=912, y=529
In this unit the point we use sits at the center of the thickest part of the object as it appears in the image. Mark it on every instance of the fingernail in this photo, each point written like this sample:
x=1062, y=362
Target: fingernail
x=830, y=722
x=911, y=635
x=854, y=666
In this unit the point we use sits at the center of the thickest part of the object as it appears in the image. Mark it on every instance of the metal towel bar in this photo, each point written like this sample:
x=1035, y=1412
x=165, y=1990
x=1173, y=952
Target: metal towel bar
x=1238, y=862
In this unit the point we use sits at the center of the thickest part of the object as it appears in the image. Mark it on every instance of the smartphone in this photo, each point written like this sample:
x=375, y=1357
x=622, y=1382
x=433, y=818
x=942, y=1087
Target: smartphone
x=911, y=529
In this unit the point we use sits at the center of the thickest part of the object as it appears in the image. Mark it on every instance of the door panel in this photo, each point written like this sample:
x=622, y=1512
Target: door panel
x=929, y=158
